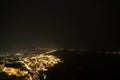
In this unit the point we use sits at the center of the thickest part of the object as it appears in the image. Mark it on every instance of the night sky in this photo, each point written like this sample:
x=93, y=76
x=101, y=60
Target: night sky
x=87, y=24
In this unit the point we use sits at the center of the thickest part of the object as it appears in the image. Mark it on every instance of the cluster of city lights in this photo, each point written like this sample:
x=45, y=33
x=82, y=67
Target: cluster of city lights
x=40, y=62
x=32, y=64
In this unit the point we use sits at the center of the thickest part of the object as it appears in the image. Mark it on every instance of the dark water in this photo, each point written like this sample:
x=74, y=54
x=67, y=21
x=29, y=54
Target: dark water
x=85, y=66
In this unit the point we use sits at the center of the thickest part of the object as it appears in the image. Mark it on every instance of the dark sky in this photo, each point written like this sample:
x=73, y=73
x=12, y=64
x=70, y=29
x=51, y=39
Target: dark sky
x=90, y=24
